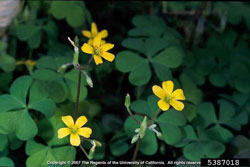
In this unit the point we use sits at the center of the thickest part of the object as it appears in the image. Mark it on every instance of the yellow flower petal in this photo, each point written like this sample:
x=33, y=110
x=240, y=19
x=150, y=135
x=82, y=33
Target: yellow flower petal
x=103, y=33
x=86, y=48
x=75, y=140
x=103, y=42
x=177, y=105
x=97, y=41
x=98, y=59
x=158, y=91
x=85, y=132
x=178, y=94
x=94, y=30
x=63, y=132
x=90, y=42
x=108, y=56
x=81, y=121
x=163, y=105
x=86, y=34
x=68, y=121
x=107, y=46
x=168, y=86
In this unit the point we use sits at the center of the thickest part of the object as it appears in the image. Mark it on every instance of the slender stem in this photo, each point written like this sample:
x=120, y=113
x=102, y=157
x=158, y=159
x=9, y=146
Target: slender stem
x=132, y=116
x=84, y=151
x=153, y=118
x=87, y=65
x=78, y=94
x=136, y=149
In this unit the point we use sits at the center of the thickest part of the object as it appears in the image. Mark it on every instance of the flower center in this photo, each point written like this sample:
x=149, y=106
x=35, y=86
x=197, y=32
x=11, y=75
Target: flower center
x=74, y=130
x=167, y=99
x=97, y=51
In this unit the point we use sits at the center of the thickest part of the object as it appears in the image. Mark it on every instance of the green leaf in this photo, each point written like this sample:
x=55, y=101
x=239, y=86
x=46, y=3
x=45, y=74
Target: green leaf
x=76, y=16
x=20, y=87
x=8, y=122
x=212, y=149
x=141, y=106
x=193, y=151
x=217, y=79
x=53, y=83
x=130, y=125
x=7, y=63
x=154, y=45
x=24, y=31
x=140, y=75
x=191, y=91
x=119, y=148
x=227, y=111
x=220, y=134
x=4, y=142
x=127, y=61
x=71, y=79
x=33, y=147
x=37, y=92
x=35, y=40
x=171, y=134
x=170, y=57
x=136, y=44
x=59, y=9
x=172, y=117
x=7, y=162
x=8, y=102
x=207, y=112
x=26, y=127
x=149, y=145
x=46, y=106
x=162, y=72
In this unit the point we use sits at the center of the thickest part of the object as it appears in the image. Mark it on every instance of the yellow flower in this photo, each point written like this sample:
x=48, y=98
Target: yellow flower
x=93, y=33
x=99, y=50
x=28, y=63
x=74, y=129
x=168, y=97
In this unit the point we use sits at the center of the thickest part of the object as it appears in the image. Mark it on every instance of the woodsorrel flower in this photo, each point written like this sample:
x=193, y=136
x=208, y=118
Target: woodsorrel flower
x=74, y=129
x=99, y=50
x=93, y=33
x=168, y=97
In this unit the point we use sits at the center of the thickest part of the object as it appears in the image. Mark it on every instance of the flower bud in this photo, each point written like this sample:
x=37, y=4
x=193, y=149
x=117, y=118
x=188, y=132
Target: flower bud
x=89, y=81
x=127, y=101
x=143, y=127
x=134, y=139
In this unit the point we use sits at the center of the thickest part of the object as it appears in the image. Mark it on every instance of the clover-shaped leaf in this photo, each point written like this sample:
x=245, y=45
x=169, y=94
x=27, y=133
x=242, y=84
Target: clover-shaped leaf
x=171, y=123
x=59, y=86
x=162, y=50
x=55, y=150
x=227, y=116
x=17, y=118
x=196, y=145
x=73, y=12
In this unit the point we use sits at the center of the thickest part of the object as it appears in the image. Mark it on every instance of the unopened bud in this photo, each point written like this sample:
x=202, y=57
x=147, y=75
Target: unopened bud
x=89, y=82
x=134, y=139
x=143, y=127
x=62, y=68
x=127, y=101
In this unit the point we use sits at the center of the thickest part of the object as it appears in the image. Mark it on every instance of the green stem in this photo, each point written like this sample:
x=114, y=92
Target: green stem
x=78, y=94
x=132, y=116
x=84, y=151
x=153, y=118
x=136, y=149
